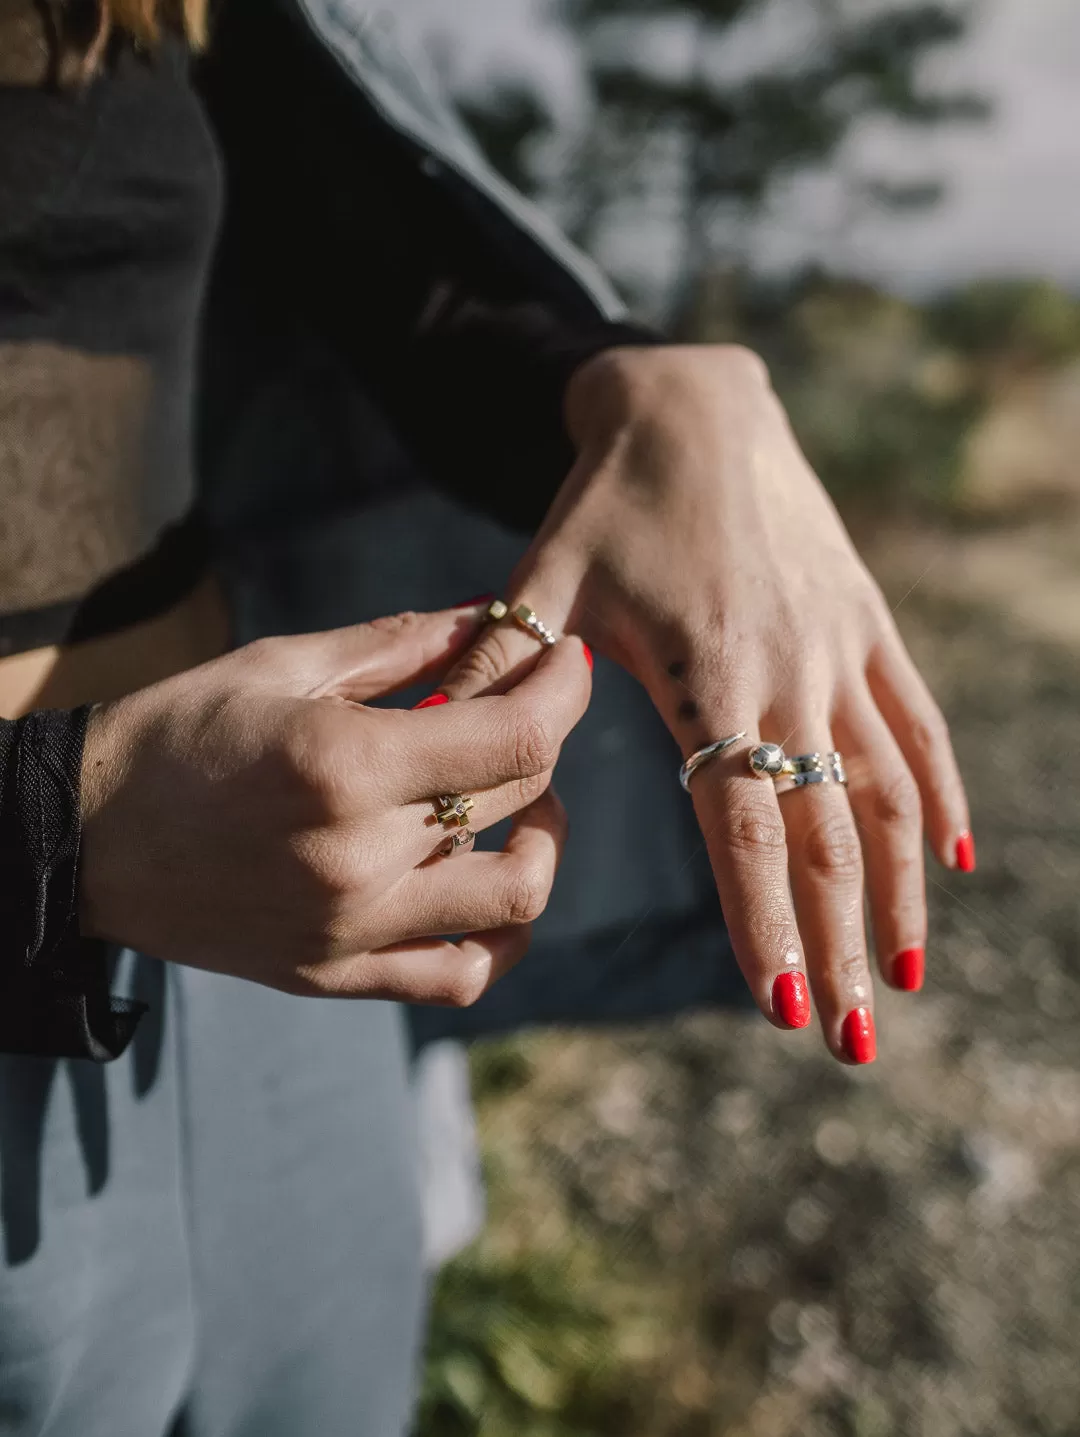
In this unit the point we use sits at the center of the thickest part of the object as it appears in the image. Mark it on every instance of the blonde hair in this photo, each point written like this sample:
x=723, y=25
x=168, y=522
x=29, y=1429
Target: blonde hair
x=143, y=20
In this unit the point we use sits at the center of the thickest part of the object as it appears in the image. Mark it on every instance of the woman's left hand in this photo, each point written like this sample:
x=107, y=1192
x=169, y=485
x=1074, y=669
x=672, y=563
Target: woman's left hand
x=693, y=544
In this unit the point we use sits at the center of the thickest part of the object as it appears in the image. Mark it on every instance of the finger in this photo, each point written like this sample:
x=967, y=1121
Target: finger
x=884, y=798
x=486, y=742
x=427, y=970
x=922, y=734
x=826, y=868
x=382, y=656
x=422, y=836
x=744, y=833
x=504, y=652
x=481, y=891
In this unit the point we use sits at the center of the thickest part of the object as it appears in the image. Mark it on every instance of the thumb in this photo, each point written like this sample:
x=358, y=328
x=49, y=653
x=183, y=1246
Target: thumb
x=369, y=660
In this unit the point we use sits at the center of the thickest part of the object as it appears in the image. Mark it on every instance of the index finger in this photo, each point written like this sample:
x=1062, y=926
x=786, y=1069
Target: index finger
x=747, y=844
x=485, y=742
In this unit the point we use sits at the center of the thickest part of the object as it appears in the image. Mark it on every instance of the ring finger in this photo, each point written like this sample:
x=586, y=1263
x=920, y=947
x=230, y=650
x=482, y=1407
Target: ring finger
x=826, y=872
x=481, y=891
x=885, y=800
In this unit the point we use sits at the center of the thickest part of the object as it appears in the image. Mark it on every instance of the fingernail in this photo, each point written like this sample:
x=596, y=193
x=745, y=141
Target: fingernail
x=858, y=1037
x=965, y=853
x=908, y=969
x=472, y=603
x=791, y=1000
x=432, y=700
x=588, y=654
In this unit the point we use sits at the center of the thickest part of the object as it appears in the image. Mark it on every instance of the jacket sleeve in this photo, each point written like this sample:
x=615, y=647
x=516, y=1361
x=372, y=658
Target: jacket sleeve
x=337, y=217
x=54, y=985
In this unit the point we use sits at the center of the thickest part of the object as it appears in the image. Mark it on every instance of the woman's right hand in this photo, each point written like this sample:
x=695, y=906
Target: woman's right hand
x=251, y=816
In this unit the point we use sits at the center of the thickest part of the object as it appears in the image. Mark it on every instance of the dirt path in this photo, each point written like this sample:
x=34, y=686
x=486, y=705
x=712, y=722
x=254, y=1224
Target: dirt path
x=763, y=1244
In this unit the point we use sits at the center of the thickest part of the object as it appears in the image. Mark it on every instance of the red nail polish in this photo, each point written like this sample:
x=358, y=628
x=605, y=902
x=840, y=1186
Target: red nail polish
x=432, y=700
x=472, y=603
x=588, y=654
x=791, y=1000
x=965, y=853
x=858, y=1037
x=908, y=969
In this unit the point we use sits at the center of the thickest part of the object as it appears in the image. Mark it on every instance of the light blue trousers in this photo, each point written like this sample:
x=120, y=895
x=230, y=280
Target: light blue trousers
x=219, y=1235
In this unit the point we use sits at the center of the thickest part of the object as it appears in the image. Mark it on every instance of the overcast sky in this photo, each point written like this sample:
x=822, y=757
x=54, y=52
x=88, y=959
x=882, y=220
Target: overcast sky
x=1014, y=184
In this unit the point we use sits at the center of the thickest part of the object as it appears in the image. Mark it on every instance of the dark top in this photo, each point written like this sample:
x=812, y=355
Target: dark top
x=108, y=204
x=109, y=201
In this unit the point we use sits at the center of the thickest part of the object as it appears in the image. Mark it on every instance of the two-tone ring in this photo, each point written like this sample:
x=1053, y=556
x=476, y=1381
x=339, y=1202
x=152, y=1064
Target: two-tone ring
x=525, y=618
x=769, y=760
x=452, y=811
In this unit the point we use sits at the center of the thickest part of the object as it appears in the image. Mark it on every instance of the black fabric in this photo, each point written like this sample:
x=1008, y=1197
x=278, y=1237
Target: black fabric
x=53, y=984
x=336, y=227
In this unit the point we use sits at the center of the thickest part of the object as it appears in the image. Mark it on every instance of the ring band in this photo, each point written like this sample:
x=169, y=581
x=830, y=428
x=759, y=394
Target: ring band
x=454, y=810
x=811, y=768
x=703, y=755
x=525, y=618
x=459, y=842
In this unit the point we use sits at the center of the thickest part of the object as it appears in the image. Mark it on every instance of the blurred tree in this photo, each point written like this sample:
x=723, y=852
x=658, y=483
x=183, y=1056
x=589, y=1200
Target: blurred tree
x=702, y=141
x=709, y=141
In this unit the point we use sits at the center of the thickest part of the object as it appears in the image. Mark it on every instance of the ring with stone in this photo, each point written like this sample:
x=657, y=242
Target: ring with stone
x=452, y=810
x=525, y=618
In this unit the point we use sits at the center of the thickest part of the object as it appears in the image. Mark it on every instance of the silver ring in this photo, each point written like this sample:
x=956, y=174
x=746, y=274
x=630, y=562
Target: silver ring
x=458, y=843
x=703, y=755
x=811, y=768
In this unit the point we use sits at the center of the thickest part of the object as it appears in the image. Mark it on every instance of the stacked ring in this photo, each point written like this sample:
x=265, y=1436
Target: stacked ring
x=768, y=760
x=525, y=618
x=459, y=842
x=454, y=812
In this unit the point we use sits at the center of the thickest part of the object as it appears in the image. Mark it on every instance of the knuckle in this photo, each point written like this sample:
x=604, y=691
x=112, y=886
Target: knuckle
x=394, y=625
x=526, y=896
x=755, y=833
x=832, y=850
x=485, y=664
x=467, y=984
x=535, y=745
x=929, y=731
x=526, y=791
x=896, y=801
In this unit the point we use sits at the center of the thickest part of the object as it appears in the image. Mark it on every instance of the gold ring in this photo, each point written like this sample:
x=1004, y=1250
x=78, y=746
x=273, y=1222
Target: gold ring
x=525, y=618
x=454, y=812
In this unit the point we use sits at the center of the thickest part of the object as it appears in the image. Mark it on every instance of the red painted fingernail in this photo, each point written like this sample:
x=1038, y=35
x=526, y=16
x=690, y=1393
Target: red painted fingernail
x=472, y=603
x=965, y=853
x=588, y=654
x=908, y=969
x=791, y=1000
x=431, y=701
x=858, y=1037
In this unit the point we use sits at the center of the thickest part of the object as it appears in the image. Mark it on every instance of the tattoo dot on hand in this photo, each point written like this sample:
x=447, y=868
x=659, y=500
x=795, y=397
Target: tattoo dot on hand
x=688, y=709
x=677, y=669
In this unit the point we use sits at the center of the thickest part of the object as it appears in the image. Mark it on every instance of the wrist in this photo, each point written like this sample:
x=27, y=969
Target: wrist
x=618, y=388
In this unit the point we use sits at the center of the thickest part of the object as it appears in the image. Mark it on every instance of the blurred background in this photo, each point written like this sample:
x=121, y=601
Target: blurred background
x=701, y=1227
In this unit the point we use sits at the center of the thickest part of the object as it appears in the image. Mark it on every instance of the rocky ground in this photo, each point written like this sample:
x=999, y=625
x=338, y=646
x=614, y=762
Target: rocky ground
x=706, y=1228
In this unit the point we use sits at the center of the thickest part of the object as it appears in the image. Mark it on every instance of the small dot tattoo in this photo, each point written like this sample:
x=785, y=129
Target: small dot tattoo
x=688, y=709
x=677, y=670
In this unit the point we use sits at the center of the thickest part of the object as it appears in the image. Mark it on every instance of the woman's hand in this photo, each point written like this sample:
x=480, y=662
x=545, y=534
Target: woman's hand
x=252, y=817
x=693, y=544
